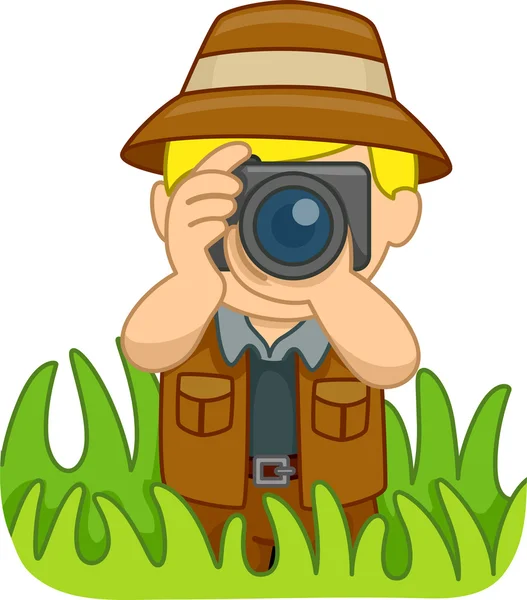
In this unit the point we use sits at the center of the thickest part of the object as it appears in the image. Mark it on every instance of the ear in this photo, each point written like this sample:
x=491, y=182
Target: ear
x=404, y=216
x=158, y=207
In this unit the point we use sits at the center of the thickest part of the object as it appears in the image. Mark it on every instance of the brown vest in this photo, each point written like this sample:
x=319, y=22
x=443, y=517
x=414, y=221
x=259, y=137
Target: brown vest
x=204, y=433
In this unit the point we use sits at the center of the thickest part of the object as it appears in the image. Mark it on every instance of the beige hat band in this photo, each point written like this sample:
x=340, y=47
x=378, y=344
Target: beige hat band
x=290, y=68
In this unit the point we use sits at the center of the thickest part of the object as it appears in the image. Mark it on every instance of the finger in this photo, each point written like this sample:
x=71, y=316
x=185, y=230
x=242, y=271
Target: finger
x=347, y=251
x=225, y=158
x=206, y=209
x=209, y=182
x=239, y=263
x=207, y=233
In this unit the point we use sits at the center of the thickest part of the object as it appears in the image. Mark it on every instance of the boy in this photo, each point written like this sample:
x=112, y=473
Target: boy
x=273, y=344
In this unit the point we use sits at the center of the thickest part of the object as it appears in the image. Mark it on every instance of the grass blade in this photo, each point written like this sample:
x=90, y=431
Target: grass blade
x=510, y=530
x=473, y=552
x=478, y=479
x=367, y=562
x=400, y=465
x=26, y=453
x=105, y=440
x=182, y=524
x=125, y=543
x=431, y=564
x=437, y=447
x=399, y=453
x=294, y=551
x=144, y=393
x=332, y=536
x=62, y=537
x=25, y=525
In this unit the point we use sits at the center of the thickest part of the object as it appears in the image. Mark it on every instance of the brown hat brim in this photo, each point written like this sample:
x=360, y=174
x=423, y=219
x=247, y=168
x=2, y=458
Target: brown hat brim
x=317, y=114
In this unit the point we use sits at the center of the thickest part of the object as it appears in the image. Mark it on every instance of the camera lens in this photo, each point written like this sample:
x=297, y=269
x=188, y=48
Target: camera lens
x=292, y=226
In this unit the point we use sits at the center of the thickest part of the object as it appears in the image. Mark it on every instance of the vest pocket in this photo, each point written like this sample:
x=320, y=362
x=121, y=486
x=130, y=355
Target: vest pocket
x=204, y=404
x=340, y=409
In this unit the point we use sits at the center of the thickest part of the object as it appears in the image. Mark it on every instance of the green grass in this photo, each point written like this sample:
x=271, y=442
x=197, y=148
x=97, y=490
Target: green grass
x=108, y=528
x=105, y=466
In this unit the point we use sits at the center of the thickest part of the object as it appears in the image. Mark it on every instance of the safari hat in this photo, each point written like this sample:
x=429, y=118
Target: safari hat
x=295, y=70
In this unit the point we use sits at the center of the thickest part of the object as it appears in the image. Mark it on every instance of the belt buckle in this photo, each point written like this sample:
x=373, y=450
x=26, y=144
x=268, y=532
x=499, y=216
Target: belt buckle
x=282, y=472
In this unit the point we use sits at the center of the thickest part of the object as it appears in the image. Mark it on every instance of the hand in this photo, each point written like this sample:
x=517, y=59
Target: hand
x=165, y=326
x=367, y=330
x=283, y=290
x=198, y=208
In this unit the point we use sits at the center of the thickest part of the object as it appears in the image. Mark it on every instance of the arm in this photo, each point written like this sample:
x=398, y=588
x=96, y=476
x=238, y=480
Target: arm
x=168, y=323
x=367, y=331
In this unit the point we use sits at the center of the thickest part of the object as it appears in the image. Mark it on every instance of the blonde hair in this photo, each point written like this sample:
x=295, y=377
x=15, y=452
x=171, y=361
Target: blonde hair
x=392, y=170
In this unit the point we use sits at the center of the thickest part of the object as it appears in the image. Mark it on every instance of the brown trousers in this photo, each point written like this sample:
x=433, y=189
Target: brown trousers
x=259, y=535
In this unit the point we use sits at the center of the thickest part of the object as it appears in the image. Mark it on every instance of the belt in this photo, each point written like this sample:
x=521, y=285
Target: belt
x=273, y=470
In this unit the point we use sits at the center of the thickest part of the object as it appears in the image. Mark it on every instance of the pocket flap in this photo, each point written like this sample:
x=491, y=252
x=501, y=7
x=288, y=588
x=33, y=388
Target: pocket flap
x=342, y=392
x=205, y=387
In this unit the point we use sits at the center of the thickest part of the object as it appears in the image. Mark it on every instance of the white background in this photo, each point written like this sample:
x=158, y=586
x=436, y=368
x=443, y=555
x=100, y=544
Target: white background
x=78, y=248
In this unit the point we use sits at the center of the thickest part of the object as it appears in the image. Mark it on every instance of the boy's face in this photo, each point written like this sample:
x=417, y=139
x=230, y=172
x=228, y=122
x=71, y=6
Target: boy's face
x=252, y=292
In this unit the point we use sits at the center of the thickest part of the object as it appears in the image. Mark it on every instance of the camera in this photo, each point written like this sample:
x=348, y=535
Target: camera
x=293, y=217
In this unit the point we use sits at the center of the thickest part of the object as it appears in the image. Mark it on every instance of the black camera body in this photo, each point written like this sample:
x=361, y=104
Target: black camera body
x=293, y=217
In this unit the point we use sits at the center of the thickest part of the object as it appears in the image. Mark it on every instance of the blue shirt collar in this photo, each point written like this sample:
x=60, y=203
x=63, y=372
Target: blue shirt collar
x=236, y=335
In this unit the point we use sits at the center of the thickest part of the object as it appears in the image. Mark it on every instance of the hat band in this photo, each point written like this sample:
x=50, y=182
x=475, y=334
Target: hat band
x=291, y=68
